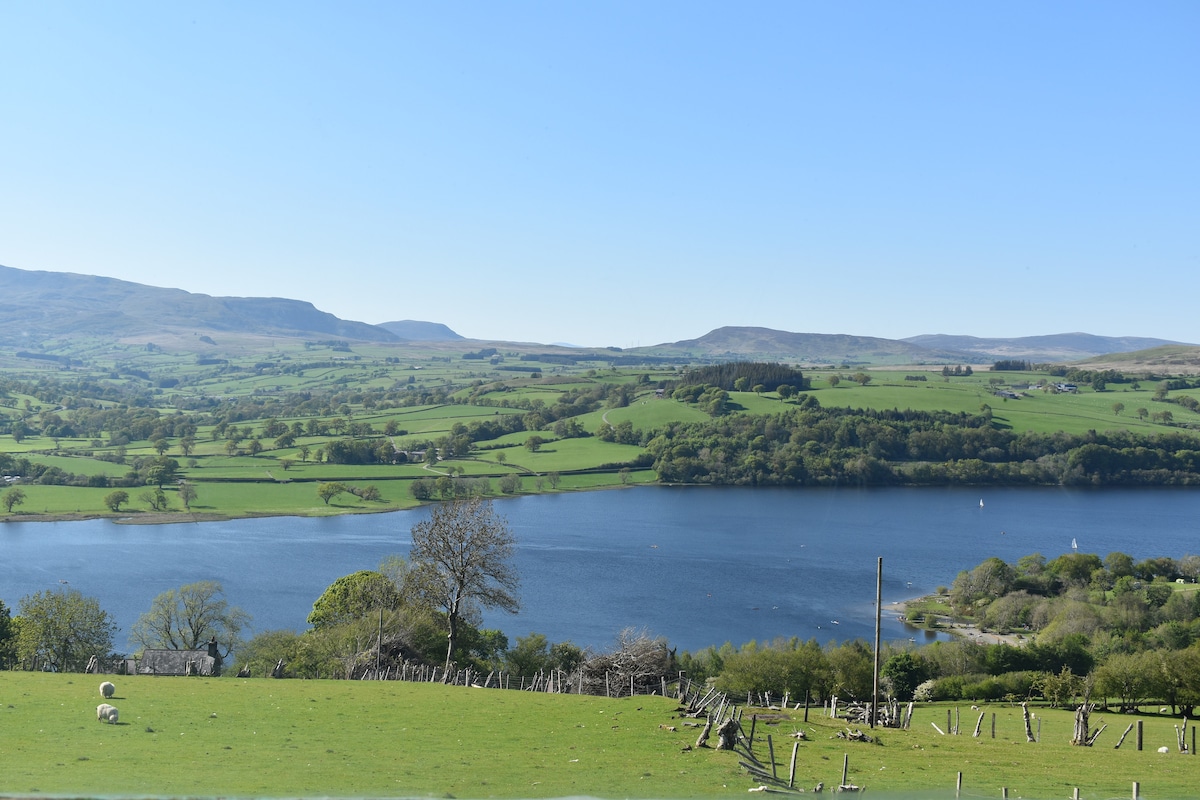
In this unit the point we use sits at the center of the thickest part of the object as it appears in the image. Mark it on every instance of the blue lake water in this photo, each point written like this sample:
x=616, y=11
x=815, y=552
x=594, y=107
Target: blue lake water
x=697, y=565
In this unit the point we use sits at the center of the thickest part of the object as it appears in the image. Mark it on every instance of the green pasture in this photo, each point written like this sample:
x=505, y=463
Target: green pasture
x=293, y=738
x=1038, y=411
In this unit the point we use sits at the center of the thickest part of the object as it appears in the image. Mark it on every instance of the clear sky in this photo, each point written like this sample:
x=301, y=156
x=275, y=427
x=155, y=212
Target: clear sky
x=620, y=173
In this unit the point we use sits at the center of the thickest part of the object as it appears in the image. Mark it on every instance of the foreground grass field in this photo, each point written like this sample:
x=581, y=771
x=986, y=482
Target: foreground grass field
x=223, y=737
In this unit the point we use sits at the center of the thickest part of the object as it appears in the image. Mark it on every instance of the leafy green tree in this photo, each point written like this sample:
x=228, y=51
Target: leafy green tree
x=157, y=499
x=188, y=617
x=530, y=656
x=833, y=381
x=510, y=483
x=1119, y=564
x=13, y=497
x=1142, y=413
x=328, y=491
x=462, y=559
x=114, y=500
x=905, y=671
x=534, y=443
x=8, y=638
x=62, y=630
x=260, y=654
x=1118, y=408
x=354, y=596
x=187, y=494
x=161, y=470
x=1131, y=677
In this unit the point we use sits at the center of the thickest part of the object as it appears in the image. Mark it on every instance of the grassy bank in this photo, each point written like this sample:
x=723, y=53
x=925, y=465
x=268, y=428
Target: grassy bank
x=217, y=737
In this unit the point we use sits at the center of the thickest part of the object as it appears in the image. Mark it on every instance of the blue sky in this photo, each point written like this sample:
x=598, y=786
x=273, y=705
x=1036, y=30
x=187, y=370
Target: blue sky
x=620, y=173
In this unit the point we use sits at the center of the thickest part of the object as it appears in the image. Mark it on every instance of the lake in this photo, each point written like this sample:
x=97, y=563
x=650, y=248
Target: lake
x=697, y=565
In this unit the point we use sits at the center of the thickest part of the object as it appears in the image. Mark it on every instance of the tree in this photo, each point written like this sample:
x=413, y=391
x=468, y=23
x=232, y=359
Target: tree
x=861, y=378
x=534, y=443
x=1118, y=408
x=352, y=597
x=328, y=491
x=114, y=500
x=461, y=557
x=161, y=470
x=1142, y=413
x=187, y=494
x=905, y=671
x=13, y=497
x=186, y=445
x=833, y=381
x=8, y=637
x=157, y=500
x=188, y=617
x=62, y=630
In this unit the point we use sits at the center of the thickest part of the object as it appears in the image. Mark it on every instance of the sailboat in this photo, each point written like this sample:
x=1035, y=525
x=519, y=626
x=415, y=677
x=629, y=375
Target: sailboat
x=981, y=502
x=1074, y=545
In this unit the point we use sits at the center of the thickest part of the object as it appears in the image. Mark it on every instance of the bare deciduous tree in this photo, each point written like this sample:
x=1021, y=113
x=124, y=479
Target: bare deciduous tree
x=462, y=559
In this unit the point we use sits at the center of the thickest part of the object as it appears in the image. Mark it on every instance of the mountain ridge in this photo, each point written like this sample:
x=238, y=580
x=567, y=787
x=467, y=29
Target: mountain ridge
x=39, y=305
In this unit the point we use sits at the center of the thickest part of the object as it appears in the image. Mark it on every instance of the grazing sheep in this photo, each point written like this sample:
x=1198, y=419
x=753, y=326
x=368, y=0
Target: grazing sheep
x=107, y=690
x=106, y=713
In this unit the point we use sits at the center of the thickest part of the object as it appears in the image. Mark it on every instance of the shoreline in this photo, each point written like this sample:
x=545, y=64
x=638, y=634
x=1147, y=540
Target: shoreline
x=967, y=631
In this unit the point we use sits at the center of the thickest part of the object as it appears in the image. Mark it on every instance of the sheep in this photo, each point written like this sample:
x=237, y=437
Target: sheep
x=107, y=713
x=107, y=690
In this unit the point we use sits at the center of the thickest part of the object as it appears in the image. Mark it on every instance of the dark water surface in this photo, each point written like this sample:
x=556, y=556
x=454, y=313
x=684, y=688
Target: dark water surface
x=699, y=566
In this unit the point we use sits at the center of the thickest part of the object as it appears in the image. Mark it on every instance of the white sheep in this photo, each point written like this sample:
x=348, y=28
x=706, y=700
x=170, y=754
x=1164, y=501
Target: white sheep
x=107, y=713
x=107, y=690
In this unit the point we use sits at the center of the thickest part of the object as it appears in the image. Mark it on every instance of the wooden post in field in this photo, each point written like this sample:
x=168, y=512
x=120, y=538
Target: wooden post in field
x=1139, y=744
x=792, y=771
x=771, y=752
x=1004, y=792
x=949, y=723
x=958, y=785
x=753, y=723
x=1136, y=789
x=845, y=768
x=1075, y=794
x=875, y=673
x=806, y=713
x=993, y=724
x=1039, y=733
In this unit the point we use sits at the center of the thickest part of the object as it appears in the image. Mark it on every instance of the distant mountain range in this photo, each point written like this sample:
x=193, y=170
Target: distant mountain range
x=38, y=307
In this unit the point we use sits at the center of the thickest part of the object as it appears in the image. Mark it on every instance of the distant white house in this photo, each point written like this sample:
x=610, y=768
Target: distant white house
x=1066, y=388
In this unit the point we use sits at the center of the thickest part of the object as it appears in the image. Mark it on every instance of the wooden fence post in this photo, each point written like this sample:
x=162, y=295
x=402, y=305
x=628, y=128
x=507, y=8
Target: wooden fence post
x=845, y=768
x=1139, y=746
x=958, y=785
x=792, y=771
x=771, y=752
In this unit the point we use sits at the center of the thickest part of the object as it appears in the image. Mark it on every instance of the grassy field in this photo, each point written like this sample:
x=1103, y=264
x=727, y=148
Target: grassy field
x=233, y=480
x=258, y=737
